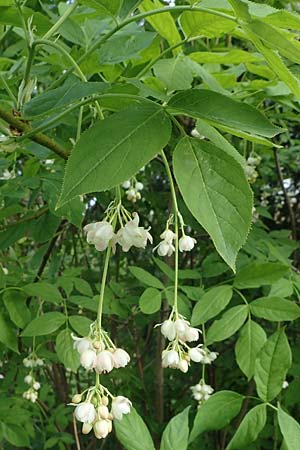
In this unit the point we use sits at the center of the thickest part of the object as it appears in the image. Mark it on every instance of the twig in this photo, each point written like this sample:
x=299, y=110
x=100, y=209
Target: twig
x=40, y=138
x=76, y=433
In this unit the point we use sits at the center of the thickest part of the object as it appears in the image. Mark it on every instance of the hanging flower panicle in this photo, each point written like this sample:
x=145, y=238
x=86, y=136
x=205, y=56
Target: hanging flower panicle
x=166, y=246
x=96, y=408
x=32, y=361
x=133, y=188
x=201, y=392
x=250, y=169
x=34, y=386
x=130, y=234
x=98, y=352
x=178, y=354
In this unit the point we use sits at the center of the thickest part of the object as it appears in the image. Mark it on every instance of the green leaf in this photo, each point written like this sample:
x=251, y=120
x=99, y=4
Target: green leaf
x=217, y=180
x=83, y=287
x=240, y=9
x=146, y=277
x=230, y=322
x=163, y=23
x=81, y=324
x=174, y=73
x=275, y=309
x=111, y=7
x=216, y=412
x=15, y=303
x=55, y=99
x=290, y=429
x=16, y=435
x=132, y=430
x=44, y=290
x=45, y=324
x=176, y=433
x=7, y=336
x=118, y=147
x=65, y=350
x=252, y=424
x=150, y=301
x=197, y=23
x=259, y=274
x=220, y=109
x=211, y=304
x=248, y=345
x=272, y=365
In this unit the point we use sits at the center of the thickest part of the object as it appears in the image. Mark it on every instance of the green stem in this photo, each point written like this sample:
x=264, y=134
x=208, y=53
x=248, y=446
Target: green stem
x=176, y=212
x=60, y=21
x=135, y=18
x=79, y=123
x=102, y=288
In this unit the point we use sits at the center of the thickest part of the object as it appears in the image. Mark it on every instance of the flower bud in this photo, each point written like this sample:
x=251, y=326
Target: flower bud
x=105, y=362
x=101, y=429
x=103, y=412
x=76, y=398
x=183, y=365
x=98, y=345
x=33, y=396
x=139, y=186
x=86, y=428
x=186, y=243
x=88, y=359
x=168, y=329
x=105, y=400
x=126, y=184
x=120, y=358
x=29, y=379
x=36, y=385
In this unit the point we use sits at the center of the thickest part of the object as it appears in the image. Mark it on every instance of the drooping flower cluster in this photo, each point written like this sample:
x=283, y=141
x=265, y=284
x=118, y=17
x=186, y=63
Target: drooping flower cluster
x=250, y=169
x=201, y=392
x=98, y=352
x=203, y=355
x=178, y=354
x=166, y=246
x=101, y=234
x=32, y=392
x=33, y=361
x=133, y=189
x=94, y=411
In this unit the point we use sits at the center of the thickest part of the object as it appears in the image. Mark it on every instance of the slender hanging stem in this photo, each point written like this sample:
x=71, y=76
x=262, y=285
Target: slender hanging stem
x=176, y=212
x=102, y=288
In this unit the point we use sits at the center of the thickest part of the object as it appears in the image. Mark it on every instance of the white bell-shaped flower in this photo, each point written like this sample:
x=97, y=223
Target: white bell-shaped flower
x=170, y=358
x=85, y=412
x=99, y=234
x=36, y=385
x=168, y=329
x=165, y=248
x=183, y=365
x=29, y=379
x=88, y=359
x=191, y=334
x=133, y=235
x=196, y=354
x=104, y=362
x=81, y=344
x=120, y=405
x=186, y=243
x=168, y=235
x=181, y=326
x=120, y=358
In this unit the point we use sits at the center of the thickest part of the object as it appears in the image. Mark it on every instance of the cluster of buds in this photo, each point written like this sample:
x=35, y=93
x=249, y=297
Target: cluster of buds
x=250, y=169
x=202, y=354
x=201, y=392
x=94, y=411
x=178, y=354
x=98, y=352
x=166, y=246
x=32, y=392
x=33, y=361
x=133, y=189
x=101, y=234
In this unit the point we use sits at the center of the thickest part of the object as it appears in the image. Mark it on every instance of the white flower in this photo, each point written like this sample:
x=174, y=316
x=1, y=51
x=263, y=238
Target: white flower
x=27, y=362
x=39, y=362
x=81, y=344
x=85, y=412
x=196, y=354
x=103, y=411
x=183, y=365
x=88, y=359
x=120, y=405
x=191, y=334
x=139, y=186
x=133, y=235
x=126, y=184
x=168, y=235
x=285, y=384
x=104, y=362
x=36, y=385
x=165, y=248
x=201, y=391
x=99, y=234
x=120, y=358
x=29, y=379
x=101, y=428
x=168, y=329
x=33, y=396
x=181, y=326
x=170, y=358
x=208, y=356
x=186, y=243
x=86, y=428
